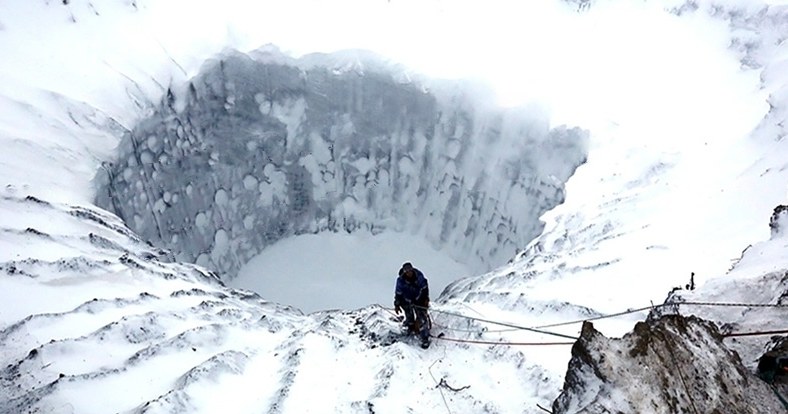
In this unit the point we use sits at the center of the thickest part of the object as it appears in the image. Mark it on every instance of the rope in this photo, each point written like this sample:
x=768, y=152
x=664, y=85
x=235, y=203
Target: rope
x=447, y=328
x=779, y=396
x=472, y=309
x=537, y=329
x=756, y=333
x=469, y=341
x=389, y=310
x=612, y=315
x=544, y=409
x=595, y=318
x=503, y=324
x=476, y=330
x=644, y=308
x=669, y=345
x=436, y=381
x=734, y=304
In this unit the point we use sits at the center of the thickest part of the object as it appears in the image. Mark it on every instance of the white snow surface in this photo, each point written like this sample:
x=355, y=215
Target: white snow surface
x=343, y=271
x=689, y=158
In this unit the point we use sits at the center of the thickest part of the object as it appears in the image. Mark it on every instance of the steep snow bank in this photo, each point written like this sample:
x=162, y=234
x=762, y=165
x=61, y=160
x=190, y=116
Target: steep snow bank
x=642, y=215
x=261, y=147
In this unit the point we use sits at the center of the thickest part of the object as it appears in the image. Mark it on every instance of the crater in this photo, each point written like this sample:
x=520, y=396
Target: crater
x=261, y=149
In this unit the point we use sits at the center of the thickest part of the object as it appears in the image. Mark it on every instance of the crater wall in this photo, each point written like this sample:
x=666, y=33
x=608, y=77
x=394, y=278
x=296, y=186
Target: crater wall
x=260, y=147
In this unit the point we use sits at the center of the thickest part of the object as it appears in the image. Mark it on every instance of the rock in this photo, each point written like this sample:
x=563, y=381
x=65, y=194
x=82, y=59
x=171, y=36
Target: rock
x=773, y=367
x=779, y=221
x=670, y=365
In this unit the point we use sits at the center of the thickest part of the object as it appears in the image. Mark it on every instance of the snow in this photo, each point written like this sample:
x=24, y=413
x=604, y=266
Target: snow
x=481, y=215
x=687, y=160
x=344, y=271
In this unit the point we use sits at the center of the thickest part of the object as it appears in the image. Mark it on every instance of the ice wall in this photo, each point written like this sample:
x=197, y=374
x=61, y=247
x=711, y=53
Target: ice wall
x=260, y=147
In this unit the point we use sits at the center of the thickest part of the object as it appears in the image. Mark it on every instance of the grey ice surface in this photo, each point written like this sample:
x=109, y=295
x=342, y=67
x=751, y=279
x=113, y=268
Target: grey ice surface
x=260, y=147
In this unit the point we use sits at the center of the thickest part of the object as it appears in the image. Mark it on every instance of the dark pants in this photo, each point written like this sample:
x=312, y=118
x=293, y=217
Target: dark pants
x=417, y=319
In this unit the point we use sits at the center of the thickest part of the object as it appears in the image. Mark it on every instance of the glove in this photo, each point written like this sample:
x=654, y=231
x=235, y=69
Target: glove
x=397, y=309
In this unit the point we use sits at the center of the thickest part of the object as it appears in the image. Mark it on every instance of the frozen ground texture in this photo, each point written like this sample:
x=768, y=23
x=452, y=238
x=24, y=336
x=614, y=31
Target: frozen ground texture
x=94, y=319
x=108, y=323
x=258, y=148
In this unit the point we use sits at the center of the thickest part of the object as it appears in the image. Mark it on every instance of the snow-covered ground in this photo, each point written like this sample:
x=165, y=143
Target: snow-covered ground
x=686, y=108
x=343, y=271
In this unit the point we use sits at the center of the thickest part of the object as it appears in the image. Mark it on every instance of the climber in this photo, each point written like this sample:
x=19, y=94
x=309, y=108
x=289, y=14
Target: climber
x=412, y=295
x=691, y=284
x=773, y=366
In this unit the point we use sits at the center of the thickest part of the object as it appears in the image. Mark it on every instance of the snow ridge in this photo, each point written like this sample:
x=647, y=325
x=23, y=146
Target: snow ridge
x=121, y=313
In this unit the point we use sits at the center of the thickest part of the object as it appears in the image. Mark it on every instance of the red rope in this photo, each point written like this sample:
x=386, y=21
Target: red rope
x=756, y=333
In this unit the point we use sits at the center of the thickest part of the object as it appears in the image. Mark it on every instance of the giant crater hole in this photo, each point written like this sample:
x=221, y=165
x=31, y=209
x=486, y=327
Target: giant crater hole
x=311, y=180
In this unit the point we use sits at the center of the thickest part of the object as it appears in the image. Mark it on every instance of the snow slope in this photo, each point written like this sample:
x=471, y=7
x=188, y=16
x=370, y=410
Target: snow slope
x=106, y=322
x=666, y=191
x=644, y=212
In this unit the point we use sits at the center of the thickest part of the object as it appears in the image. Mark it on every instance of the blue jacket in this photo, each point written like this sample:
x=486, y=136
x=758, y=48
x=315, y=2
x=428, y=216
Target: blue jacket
x=415, y=292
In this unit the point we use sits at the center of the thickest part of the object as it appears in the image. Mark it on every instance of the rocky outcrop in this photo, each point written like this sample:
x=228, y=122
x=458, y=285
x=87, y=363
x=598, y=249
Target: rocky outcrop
x=773, y=368
x=670, y=365
x=779, y=221
x=259, y=148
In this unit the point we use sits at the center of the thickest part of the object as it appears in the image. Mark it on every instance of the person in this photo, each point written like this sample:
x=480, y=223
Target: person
x=412, y=296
